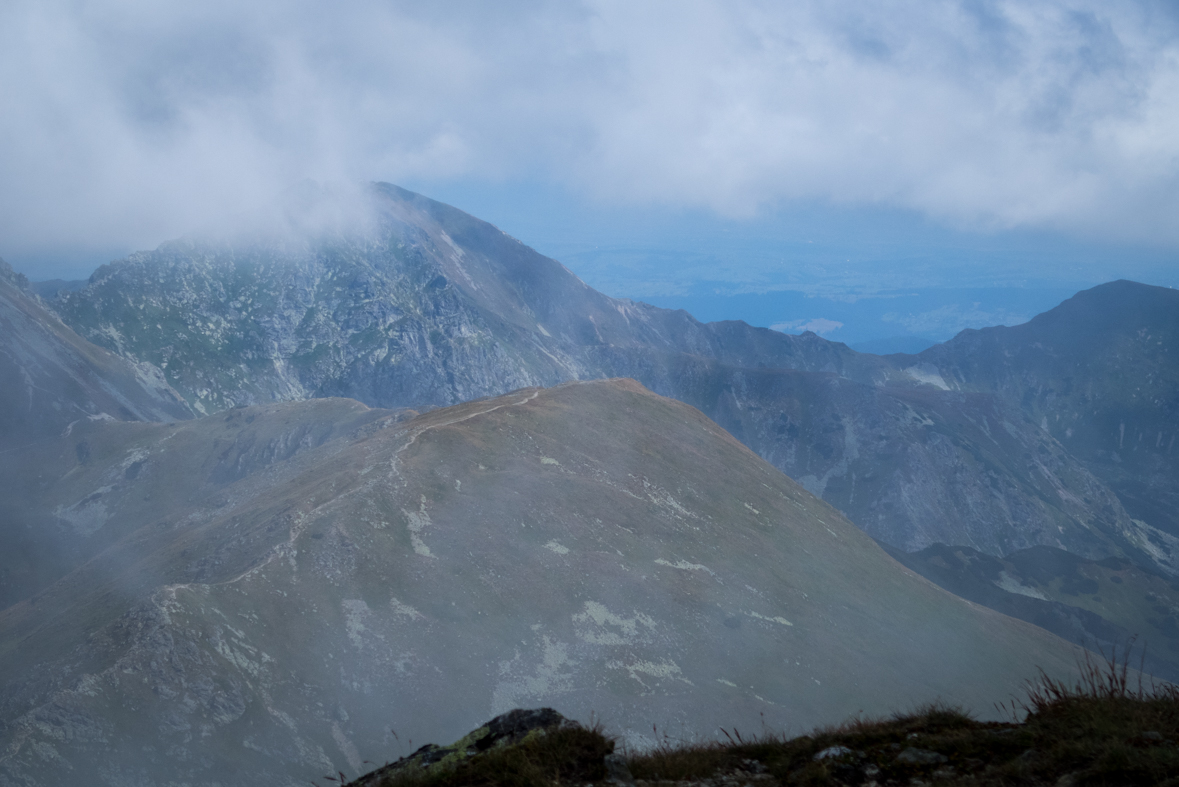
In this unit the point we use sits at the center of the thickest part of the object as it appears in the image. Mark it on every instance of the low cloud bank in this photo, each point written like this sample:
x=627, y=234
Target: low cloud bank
x=124, y=123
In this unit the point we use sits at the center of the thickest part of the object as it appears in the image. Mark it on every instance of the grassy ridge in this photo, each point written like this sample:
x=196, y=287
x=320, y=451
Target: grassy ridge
x=1108, y=728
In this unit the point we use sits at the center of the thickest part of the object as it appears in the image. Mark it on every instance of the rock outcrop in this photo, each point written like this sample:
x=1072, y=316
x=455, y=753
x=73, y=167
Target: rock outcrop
x=51, y=377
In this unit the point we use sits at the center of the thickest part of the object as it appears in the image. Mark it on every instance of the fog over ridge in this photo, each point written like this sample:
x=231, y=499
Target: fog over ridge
x=126, y=123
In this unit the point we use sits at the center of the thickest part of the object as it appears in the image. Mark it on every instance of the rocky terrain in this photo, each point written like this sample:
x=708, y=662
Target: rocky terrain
x=914, y=466
x=1098, y=374
x=51, y=377
x=425, y=306
x=296, y=583
x=428, y=306
x=284, y=591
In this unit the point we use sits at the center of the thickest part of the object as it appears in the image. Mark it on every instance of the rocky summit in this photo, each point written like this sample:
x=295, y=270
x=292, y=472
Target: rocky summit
x=286, y=591
x=426, y=306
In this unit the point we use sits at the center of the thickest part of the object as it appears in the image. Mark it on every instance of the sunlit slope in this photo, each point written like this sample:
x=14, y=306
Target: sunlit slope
x=593, y=547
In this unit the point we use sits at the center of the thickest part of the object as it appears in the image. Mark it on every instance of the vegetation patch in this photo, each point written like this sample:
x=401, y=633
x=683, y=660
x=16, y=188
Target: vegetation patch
x=1107, y=729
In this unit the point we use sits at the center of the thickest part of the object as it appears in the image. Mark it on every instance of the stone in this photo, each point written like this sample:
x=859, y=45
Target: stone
x=915, y=756
x=616, y=770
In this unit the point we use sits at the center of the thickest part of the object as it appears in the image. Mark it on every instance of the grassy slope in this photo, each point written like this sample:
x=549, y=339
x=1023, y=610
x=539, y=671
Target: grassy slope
x=594, y=547
x=1105, y=729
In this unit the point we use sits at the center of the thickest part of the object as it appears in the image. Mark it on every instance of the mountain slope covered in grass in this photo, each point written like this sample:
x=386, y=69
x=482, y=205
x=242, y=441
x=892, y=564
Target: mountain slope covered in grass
x=295, y=601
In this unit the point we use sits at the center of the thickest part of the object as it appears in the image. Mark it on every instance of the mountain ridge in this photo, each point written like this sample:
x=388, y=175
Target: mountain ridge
x=1098, y=374
x=645, y=563
x=438, y=307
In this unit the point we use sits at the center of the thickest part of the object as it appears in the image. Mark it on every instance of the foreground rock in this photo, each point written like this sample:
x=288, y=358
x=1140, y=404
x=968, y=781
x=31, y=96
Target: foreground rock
x=1100, y=732
x=579, y=755
x=308, y=584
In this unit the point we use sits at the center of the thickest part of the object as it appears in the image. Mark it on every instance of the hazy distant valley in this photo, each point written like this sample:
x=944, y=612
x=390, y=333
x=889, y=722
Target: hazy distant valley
x=265, y=501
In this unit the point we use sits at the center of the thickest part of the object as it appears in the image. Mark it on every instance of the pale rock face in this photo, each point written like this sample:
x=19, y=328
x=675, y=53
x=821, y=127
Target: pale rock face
x=432, y=307
x=345, y=594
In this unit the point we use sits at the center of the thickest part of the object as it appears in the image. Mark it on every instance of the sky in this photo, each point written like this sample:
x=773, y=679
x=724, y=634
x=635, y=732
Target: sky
x=688, y=149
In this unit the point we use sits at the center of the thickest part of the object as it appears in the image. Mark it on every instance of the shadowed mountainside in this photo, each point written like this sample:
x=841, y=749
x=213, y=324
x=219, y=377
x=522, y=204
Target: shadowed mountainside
x=51, y=377
x=286, y=602
x=1098, y=374
x=1099, y=604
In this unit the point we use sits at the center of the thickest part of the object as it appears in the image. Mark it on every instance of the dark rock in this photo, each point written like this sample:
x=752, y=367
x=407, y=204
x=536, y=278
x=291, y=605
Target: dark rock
x=915, y=756
x=504, y=730
x=514, y=725
x=616, y=770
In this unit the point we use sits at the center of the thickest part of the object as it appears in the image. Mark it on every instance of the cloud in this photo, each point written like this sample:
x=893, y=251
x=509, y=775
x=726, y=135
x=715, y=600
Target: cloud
x=126, y=122
x=819, y=325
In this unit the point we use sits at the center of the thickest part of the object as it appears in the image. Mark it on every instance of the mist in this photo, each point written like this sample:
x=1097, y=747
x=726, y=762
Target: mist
x=128, y=123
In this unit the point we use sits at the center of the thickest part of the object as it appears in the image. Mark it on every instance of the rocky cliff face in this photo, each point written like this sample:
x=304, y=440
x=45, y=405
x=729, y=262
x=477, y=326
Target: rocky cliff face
x=914, y=466
x=50, y=377
x=1099, y=374
x=431, y=307
x=284, y=589
x=427, y=307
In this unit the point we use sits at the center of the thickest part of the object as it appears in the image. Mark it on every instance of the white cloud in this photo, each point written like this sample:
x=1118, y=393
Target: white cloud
x=128, y=121
x=819, y=325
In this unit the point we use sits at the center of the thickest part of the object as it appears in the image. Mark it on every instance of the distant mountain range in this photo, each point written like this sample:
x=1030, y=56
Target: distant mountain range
x=216, y=569
x=433, y=307
x=1099, y=374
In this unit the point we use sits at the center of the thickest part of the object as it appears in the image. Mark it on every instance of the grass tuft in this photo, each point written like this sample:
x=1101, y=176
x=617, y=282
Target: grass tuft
x=1110, y=727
